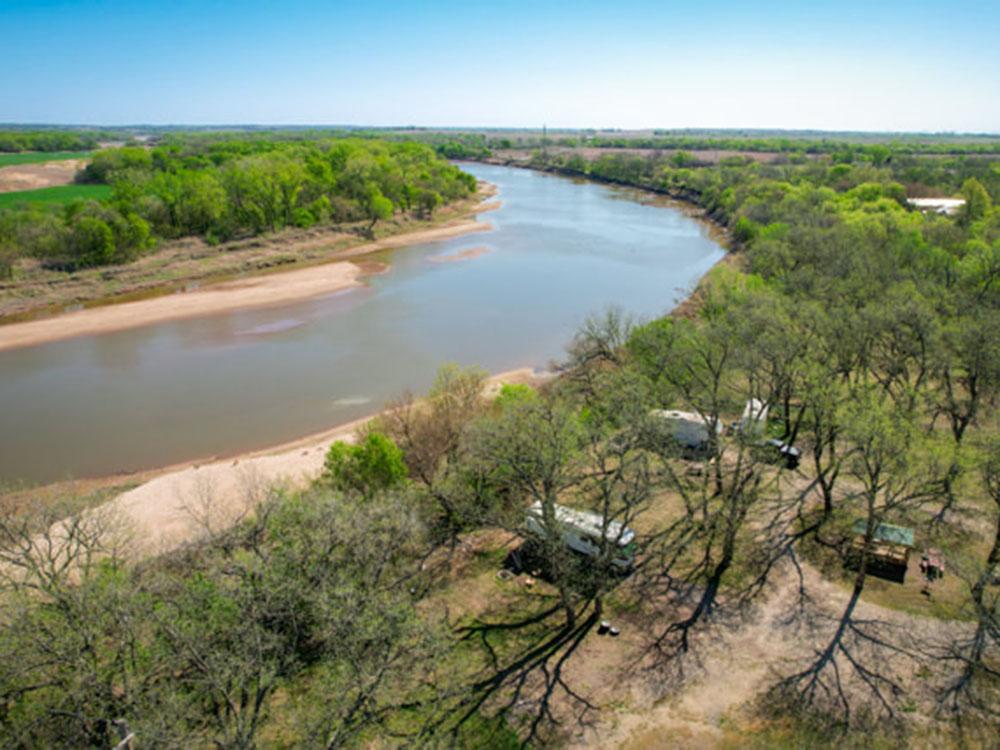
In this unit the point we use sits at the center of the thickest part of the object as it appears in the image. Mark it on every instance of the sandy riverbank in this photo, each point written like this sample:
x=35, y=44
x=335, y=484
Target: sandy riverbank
x=185, y=502
x=240, y=294
x=243, y=293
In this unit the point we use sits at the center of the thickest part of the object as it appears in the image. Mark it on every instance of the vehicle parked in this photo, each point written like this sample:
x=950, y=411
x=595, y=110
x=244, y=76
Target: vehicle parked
x=581, y=532
x=754, y=418
x=775, y=451
x=689, y=430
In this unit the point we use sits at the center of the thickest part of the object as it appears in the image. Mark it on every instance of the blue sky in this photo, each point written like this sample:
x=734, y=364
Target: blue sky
x=884, y=65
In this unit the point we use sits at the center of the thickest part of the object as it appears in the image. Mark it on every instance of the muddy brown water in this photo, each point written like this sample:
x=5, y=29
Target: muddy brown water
x=232, y=382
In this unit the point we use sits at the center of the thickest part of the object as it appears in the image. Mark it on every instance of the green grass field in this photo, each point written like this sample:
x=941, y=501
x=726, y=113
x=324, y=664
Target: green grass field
x=36, y=157
x=59, y=195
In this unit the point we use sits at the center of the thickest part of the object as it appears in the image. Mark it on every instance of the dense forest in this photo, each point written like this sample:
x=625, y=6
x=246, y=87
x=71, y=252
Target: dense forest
x=784, y=145
x=48, y=140
x=342, y=616
x=707, y=182
x=842, y=147
x=223, y=188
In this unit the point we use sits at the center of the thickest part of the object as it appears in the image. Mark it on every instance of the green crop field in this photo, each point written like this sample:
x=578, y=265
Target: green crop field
x=36, y=157
x=60, y=194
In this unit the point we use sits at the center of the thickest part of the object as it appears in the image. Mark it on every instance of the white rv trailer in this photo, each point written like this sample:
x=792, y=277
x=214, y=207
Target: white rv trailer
x=944, y=206
x=581, y=532
x=688, y=429
x=754, y=419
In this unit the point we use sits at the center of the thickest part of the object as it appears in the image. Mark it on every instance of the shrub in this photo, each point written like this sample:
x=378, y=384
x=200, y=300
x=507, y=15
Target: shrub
x=745, y=230
x=92, y=242
x=514, y=393
x=373, y=465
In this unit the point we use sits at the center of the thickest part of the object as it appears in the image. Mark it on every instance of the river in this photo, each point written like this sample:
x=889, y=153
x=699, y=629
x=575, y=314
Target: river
x=227, y=383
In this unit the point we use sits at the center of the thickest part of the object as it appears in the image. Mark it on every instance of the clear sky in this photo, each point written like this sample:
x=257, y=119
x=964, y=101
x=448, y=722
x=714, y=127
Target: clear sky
x=872, y=65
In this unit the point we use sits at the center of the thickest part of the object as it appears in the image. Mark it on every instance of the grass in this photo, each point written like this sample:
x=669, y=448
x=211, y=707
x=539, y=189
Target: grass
x=37, y=157
x=59, y=195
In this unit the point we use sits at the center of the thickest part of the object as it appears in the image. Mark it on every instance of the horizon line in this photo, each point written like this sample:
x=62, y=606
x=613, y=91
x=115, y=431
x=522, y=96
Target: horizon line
x=512, y=128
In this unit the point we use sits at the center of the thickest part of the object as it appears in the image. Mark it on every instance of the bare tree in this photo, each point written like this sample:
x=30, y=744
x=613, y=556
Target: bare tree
x=599, y=345
x=69, y=628
x=894, y=471
x=429, y=432
x=969, y=380
x=548, y=452
x=977, y=684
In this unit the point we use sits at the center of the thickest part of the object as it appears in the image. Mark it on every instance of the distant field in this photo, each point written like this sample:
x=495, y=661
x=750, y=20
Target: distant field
x=36, y=157
x=55, y=195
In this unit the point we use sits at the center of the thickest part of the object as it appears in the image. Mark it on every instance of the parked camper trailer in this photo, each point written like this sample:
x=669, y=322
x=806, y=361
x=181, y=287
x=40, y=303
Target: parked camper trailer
x=689, y=430
x=754, y=419
x=581, y=532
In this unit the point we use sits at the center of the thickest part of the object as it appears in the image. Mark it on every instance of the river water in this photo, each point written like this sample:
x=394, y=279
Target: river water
x=226, y=383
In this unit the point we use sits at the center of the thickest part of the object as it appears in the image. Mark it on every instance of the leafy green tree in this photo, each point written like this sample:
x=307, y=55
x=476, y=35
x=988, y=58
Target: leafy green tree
x=104, y=164
x=512, y=394
x=91, y=242
x=132, y=236
x=879, y=154
x=977, y=201
x=378, y=208
x=374, y=465
x=682, y=159
x=194, y=201
x=745, y=230
x=428, y=201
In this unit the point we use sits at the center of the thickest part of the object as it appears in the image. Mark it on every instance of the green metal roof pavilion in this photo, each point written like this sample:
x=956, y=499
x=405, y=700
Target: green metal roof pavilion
x=887, y=532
